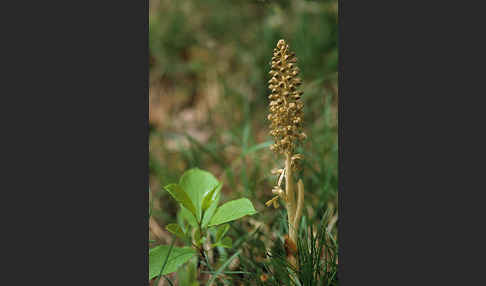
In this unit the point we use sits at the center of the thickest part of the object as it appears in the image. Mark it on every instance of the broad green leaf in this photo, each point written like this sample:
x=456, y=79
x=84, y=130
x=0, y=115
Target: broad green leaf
x=208, y=214
x=197, y=184
x=221, y=231
x=178, y=193
x=210, y=197
x=181, y=221
x=227, y=242
x=232, y=210
x=178, y=256
x=176, y=229
x=188, y=216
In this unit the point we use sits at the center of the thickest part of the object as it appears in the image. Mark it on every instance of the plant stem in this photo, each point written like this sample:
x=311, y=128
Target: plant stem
x=289, y=192
x=300, y=205
x=200, y=248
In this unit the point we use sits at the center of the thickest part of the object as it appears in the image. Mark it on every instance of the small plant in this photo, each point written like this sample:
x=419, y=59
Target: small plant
x=286, y=113
x=198, y=194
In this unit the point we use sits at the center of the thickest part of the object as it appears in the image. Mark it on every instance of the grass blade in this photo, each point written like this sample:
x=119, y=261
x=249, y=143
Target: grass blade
x=220, y=269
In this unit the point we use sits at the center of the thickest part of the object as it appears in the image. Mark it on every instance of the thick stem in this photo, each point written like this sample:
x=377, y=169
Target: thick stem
x=289, y=192
x=300, y=205
x=200, y=266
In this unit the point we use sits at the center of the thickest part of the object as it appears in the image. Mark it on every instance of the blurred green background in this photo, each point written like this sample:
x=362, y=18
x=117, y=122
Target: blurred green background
x=209, y=63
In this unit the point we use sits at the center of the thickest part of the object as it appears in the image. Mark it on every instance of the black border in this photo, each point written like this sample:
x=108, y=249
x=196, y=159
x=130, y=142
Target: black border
x=80, y=144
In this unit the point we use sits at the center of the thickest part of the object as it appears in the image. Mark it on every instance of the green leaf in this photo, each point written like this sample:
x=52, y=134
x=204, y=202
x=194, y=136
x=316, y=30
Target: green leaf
x=232, y=210
x=208, y=214
x=158, y=254
x=175, y=229
x=221, y=231
x=227, y=242
x=188, y=216
x=197, y=184
x=210, y=197
x=181, y=221
x=180, y=195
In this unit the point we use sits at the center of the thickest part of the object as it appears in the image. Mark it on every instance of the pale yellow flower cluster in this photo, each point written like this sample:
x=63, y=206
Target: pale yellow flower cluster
x=286, y=107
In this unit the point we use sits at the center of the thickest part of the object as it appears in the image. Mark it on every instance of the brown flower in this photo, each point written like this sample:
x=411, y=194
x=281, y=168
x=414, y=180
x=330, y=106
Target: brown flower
x=286, y=107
